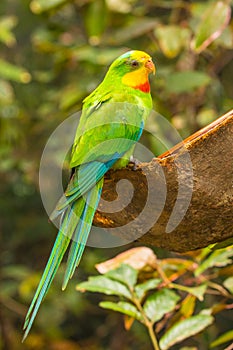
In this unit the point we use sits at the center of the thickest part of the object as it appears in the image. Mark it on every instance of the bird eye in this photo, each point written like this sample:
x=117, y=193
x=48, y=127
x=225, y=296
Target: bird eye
x=134, y=63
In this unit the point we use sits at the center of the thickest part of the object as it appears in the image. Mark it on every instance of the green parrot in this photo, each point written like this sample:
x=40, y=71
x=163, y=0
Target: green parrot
x=111, y=123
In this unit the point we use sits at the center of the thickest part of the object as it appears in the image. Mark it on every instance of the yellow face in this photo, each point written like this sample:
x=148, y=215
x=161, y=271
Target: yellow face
x=143, y=67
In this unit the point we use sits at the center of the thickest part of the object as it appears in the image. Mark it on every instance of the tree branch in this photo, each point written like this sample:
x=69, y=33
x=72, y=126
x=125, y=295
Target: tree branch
x=194, y=178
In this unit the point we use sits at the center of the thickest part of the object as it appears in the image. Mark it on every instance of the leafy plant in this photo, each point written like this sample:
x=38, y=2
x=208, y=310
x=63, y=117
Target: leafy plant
x=168, y=296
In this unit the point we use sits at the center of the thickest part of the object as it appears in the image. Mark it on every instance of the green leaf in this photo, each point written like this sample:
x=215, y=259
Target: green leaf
x=95, y=56
x=214, y=21
x=228, y=283
x=142, y=288
x=159, y=303
x=15, y=272
x=226, y=38
x=6, y=92
x=186, y=81
x=7, y=23
x=123, y=307
x=12, y=72
x=207, y=311
x=224, y=244
x=124, y=274
x=96, y=20
x=185, y=329
x=102, y=284
x=172, y=39
x=39, y=6
x=218, y=258
x=223, y=338
x=198, y=291
x=133, y=30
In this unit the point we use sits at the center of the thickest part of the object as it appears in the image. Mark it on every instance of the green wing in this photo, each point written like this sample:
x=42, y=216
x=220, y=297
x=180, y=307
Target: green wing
x=110, y=126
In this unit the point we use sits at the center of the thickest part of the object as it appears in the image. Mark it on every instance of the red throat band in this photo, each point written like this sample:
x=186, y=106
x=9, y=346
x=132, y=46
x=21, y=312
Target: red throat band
x=143, y=87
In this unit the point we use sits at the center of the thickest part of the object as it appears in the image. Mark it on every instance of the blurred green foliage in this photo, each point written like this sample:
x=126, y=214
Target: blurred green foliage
x=54, y=53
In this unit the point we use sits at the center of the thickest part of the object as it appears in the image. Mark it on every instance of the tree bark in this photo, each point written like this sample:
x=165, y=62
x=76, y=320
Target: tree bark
x=185, y=195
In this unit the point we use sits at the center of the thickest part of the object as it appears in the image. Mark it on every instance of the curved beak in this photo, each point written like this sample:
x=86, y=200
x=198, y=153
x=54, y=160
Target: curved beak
x=150, y=66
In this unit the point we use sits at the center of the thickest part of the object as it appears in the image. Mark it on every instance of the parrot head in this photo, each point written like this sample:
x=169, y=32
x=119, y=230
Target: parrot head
x=133, y=68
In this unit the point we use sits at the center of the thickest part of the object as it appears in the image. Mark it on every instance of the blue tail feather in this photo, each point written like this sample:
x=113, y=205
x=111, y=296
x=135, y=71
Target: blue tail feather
x=76, y=225
x=82, y=231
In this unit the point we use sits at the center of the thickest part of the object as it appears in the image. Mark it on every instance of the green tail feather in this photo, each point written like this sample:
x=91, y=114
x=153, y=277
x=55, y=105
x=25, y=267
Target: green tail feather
x=76, y=225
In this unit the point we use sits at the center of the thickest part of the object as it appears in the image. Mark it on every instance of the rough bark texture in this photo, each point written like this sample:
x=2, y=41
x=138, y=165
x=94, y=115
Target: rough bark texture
x=189, y=203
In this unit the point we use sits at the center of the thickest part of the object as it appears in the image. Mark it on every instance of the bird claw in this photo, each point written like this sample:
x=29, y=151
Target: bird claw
x=135, y=162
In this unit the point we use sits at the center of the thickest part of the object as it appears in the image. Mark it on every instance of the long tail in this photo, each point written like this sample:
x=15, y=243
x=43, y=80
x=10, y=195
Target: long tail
x=76, y=225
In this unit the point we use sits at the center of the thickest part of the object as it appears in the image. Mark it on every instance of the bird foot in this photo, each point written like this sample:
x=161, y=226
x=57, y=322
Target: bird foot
x=134, y=162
